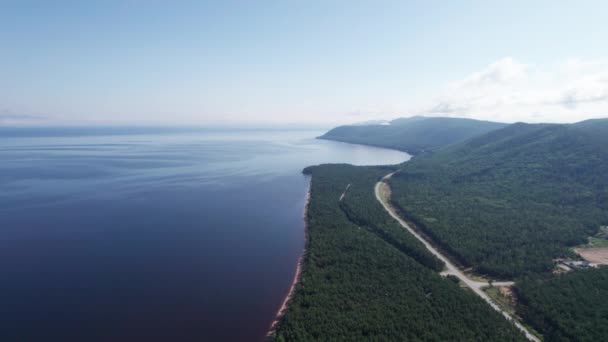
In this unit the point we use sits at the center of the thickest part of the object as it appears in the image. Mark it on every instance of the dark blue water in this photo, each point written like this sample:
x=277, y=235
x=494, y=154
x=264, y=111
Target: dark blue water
x=166, y=237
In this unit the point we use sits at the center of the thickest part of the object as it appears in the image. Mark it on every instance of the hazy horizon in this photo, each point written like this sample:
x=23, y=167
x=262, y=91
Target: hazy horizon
x=314, y=63
x=136, y=128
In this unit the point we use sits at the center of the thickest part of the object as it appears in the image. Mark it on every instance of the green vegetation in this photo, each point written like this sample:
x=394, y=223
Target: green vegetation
x=508, y=202
x=603, y=233
x=598, y=242
x=453, y=278
x=567, y=307
x=365, y=280
x=362, y=208
x=505, y=201
x=503, y=301
x=413, y=135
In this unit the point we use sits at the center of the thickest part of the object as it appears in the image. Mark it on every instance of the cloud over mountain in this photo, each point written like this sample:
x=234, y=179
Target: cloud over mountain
x=510, y=90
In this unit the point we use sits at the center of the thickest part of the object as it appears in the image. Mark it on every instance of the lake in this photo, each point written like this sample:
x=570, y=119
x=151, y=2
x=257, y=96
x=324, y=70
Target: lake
x=189, y=236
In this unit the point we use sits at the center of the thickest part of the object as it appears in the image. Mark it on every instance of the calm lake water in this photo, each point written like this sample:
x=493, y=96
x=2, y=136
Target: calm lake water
x=154, y=237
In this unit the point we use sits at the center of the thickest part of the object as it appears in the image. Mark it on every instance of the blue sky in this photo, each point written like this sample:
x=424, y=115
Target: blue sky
x=300, y=62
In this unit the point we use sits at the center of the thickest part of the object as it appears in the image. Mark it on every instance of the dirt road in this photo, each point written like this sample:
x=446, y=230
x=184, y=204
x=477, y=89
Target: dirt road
x=382, y=191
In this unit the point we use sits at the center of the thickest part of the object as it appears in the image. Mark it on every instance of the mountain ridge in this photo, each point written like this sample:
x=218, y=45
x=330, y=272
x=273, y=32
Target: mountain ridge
x=509, y=201
x=413, y=135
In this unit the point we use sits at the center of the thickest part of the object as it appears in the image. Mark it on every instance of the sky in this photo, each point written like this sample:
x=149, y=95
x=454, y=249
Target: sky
x=274, y=63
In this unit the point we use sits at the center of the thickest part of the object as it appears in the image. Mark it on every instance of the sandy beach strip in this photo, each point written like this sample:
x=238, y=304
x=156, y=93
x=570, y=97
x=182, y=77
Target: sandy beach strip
x=296, y=278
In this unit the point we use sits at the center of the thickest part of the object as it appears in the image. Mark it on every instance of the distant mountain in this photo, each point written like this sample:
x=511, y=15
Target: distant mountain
x=509, y=201
x=405, y=121
x=413, y=135
x=372, y=123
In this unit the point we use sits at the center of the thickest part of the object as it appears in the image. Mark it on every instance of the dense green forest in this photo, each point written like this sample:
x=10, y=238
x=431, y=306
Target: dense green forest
x=510, y=201
x=361, y=208
x=413, y=135
x=363, y=279
x=567, y=307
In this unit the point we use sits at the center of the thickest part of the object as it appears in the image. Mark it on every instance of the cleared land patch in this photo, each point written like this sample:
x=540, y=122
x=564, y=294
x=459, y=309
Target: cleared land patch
x=595, y=255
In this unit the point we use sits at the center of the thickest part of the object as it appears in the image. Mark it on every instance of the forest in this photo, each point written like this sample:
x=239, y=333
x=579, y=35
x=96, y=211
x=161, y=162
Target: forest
x=364, y=279
x=504, y=202
x=567, y=307
x=362, y=209
x=508, y=202
x=413, y=135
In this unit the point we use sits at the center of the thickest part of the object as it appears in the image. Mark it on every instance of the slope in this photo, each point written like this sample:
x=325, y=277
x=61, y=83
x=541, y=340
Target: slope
x=413, y=135
x=508, y=202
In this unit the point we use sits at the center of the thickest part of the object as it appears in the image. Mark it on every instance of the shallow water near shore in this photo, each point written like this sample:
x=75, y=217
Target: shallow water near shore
x=155, y=237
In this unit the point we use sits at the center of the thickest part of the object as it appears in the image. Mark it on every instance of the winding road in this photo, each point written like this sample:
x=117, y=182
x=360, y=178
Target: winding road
x=382, y=191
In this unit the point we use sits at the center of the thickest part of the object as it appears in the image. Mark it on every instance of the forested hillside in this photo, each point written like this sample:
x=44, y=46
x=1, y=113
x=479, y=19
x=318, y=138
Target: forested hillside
x=568, y=307
x=366, y=280
x=510, y=201
x=413, y=135
x=362, y=208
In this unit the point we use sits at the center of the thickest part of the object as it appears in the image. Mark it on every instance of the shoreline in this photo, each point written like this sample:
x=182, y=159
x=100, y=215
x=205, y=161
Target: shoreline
x=298, y=274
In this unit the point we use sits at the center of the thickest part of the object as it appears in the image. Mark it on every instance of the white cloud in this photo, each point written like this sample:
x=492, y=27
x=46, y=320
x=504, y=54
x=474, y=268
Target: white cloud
x=586, y=90
x=509, y=90
x=500, y=72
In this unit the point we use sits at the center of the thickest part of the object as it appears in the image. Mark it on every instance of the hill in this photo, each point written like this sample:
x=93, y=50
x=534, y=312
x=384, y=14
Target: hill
x=509, y=201
x=413, y=135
